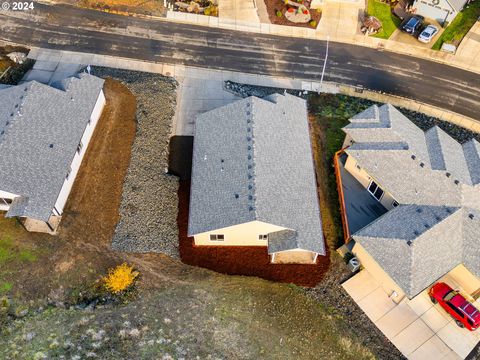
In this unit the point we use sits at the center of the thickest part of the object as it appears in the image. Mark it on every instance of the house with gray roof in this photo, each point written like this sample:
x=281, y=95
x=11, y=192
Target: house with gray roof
x=428, y=185
x=253, y=179
x=44, y=133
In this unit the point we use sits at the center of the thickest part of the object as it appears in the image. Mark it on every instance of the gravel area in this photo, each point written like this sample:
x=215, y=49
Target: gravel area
x=149, y=207
x=421, y=120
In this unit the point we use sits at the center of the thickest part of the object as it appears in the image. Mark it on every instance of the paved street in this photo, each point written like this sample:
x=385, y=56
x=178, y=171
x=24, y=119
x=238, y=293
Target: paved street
x=68, y=28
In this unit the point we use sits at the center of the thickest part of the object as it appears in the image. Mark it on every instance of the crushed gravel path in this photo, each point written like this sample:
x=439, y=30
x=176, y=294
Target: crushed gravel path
x=149, y=207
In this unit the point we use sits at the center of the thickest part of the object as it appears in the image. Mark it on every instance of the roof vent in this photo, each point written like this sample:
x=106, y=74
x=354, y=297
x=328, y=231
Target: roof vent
x=422, y=164
x=471, y=216
x=250, y=197
x=249, y=176
x=419, y=210
x=236, y=196
x=11, y=114
x=448, y=174
x=248, y=129
x=248, y=104
x=250, y=208
x=248, y=112
x=426, y=226
x=438, y=218
x=249, y=157
x=409, y=242
x=456, y=182
x=249, y=138
x=448, y=210
x=250, y=187
x=413, y=157
x=222, y=160
x=249, y=147
x=50, y=146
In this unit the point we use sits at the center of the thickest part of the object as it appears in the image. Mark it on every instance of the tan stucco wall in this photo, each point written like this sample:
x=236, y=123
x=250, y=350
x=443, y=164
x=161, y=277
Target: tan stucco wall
x=364, y=178
x=293, y=257
x=377, y=272
x=239, y=235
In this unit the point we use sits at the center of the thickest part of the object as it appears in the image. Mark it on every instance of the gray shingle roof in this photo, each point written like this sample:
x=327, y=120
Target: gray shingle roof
x=252, y=160
x=41, y=127
x=435, y=181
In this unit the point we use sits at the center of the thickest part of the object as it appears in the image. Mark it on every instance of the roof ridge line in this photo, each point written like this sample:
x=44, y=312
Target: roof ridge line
x=251, y=153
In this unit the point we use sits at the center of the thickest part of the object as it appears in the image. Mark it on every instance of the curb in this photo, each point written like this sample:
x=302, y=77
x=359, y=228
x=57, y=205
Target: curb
x=173, y=70
x=467, y=64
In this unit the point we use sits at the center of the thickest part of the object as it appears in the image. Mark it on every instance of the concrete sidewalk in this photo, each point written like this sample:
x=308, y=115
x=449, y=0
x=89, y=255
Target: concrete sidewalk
x=181, y=71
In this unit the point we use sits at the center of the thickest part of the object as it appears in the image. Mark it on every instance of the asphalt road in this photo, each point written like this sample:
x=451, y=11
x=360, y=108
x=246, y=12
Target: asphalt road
x=82, y=30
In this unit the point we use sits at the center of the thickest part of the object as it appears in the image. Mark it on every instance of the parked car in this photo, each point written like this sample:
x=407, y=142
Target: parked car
x=428, y=33
x=413, y=24
x=465, y=314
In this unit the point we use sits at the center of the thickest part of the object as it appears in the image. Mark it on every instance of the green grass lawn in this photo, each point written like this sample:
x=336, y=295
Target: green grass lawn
x=460, y=26
x=12, y=253
x=382, y=12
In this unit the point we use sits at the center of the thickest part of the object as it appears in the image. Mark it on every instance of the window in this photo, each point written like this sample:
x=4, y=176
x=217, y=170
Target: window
x=217, y=237
x=454, y=308
x=6, y=201
x=375, y=190
x=262, y=237
x=394, y=203
x=79, y=147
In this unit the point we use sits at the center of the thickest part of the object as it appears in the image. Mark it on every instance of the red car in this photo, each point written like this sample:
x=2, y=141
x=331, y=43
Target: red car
x=464, y=313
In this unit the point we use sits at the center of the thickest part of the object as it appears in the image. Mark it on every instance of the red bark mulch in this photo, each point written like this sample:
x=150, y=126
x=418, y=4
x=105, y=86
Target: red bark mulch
x=242, y=260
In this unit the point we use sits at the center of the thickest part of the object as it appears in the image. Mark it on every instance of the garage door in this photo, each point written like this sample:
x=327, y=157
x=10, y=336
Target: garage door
x=429, y=10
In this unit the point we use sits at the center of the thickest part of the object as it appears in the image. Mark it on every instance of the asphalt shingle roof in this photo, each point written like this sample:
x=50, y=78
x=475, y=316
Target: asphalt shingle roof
x=40, y=129
x=435, y=181
x=252, y=160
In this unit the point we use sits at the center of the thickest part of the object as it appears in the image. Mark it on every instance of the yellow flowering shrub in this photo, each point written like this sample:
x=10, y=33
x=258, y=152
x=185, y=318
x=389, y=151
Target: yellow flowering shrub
x=120, y=278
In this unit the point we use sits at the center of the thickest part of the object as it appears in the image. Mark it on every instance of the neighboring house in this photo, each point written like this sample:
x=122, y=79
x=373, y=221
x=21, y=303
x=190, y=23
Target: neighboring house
x=253, y=179
x=429, y=185
x=44, y=135
x=443, y=11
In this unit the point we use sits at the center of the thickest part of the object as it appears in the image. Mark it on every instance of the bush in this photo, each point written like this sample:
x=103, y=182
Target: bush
x=313, y=23
x=278, y=13
x=120, y=278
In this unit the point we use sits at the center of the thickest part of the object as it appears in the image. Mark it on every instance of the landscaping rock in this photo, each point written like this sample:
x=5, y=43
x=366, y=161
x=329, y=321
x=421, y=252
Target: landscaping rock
x=423, y=121
x=148, y=210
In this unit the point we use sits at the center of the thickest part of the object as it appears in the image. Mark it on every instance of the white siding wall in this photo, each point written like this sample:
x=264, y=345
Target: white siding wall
x=364, y=178
x=77, y=160
x=6, y=195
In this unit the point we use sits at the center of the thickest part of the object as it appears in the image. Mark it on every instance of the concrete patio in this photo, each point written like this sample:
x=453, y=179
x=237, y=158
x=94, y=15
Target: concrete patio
x=417, y=327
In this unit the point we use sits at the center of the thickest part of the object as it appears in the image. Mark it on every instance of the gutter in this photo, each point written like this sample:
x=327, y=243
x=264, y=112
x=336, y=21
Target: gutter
x=341, y=198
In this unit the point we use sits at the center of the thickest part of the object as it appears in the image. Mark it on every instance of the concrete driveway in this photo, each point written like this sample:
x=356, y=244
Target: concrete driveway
x=417, y=327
